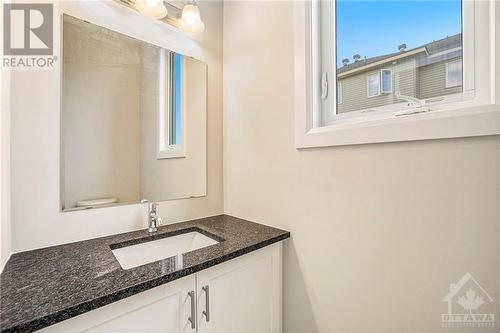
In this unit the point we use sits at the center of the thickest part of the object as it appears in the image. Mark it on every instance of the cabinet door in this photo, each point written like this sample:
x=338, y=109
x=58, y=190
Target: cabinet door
x=162, y=309
x=244, y=294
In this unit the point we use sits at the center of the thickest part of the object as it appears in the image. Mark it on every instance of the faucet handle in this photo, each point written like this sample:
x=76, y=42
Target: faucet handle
x=159, y=221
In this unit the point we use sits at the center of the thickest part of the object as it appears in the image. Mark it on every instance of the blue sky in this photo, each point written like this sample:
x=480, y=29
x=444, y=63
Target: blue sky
x=374, y=27
x=178, y=99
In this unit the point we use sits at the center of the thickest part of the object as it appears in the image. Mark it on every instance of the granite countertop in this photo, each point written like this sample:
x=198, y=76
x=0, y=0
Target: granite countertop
x=41, y=287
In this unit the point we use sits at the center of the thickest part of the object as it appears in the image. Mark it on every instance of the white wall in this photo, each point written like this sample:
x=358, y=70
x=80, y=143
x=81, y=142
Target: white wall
x=5, y=222
x=36, y=219
x=378, y=231
x=497, y=38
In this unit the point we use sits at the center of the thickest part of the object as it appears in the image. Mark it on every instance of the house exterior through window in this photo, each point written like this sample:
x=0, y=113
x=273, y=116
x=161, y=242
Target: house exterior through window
x=453, y=74
x=426, y=71
x=339, y=93
x=386, y=80
x=373, y=85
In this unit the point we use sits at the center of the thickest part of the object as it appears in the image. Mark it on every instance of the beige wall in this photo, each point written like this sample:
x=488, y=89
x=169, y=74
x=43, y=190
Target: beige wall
x=36, y=219
x=378, y=231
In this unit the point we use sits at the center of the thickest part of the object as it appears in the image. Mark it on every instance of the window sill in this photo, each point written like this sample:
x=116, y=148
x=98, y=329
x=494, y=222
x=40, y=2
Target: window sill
x=464, y=122
x=171, y=152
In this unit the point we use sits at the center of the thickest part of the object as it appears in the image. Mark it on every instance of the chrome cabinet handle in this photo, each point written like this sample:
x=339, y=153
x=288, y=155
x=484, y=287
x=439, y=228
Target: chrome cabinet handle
x=207, y=303
x=192, y=318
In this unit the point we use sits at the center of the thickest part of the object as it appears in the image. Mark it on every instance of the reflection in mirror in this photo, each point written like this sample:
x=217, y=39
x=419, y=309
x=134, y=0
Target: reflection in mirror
x=133, y=120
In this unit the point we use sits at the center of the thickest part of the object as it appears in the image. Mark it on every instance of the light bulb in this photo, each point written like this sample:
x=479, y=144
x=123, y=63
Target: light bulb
x=191, y=21
x=153, y=3
x=152, y=8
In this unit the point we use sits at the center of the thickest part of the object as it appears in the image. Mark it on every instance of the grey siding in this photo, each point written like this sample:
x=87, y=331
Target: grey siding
x=432, y=81
x=354, y=88
x=423, y=82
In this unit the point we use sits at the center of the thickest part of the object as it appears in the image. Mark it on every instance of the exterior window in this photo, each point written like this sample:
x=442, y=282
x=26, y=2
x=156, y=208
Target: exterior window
x=394, y=65
x=386, y=79
x=373, y=81
x=339, y=93
x=406, y=63
x=453, y=74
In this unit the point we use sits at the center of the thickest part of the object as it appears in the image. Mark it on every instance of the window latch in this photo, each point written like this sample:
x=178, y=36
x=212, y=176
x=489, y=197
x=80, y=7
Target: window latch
x=412, y=111
x=324, y=85
x=416, y=105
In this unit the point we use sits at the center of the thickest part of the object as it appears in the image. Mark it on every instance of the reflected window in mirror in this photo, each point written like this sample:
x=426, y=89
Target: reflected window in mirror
x=170, y=112
x=175, y=124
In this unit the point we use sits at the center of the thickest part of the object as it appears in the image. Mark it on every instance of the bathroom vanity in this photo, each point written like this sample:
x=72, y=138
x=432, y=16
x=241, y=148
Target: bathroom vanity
x=230, y=281
x=132, y=130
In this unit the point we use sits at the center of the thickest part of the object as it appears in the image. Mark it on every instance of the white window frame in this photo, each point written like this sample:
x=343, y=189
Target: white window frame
x=476, y=115
x=377, y=75
x=447, y=80
x=382, y=90
x=163, y=146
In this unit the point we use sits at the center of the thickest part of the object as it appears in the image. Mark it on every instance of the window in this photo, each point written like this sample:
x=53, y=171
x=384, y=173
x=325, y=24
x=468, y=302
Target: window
x=170, y=108
x=175, y=107
x=387, y=54
x=453, y=74
x=380, y=83
x=373, y=82
x=386, y=78
x=399, y=67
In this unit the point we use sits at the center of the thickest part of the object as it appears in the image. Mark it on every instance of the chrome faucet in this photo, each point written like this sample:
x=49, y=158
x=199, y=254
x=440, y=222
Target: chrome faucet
x=153, y=219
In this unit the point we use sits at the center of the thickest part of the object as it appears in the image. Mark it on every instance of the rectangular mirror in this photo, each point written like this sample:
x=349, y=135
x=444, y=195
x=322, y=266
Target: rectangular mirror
x=133, y=120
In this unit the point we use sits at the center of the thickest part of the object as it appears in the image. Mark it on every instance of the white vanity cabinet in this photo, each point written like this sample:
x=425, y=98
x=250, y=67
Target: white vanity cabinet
x=162, y=309
x=243, y=295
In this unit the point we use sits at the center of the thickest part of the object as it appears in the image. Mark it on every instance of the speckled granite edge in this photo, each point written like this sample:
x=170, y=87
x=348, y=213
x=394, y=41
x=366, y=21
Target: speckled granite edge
x=67, y=313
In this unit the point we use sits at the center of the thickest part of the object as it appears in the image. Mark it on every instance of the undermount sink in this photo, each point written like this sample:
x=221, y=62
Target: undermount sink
x=144, y=253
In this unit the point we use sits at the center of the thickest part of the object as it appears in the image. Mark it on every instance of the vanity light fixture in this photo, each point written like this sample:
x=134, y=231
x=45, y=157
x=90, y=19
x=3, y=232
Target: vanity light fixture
x=190, y=21
x=152, y=8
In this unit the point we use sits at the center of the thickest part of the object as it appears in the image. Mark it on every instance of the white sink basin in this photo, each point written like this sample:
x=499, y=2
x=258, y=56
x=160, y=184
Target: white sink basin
x=144, y=253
